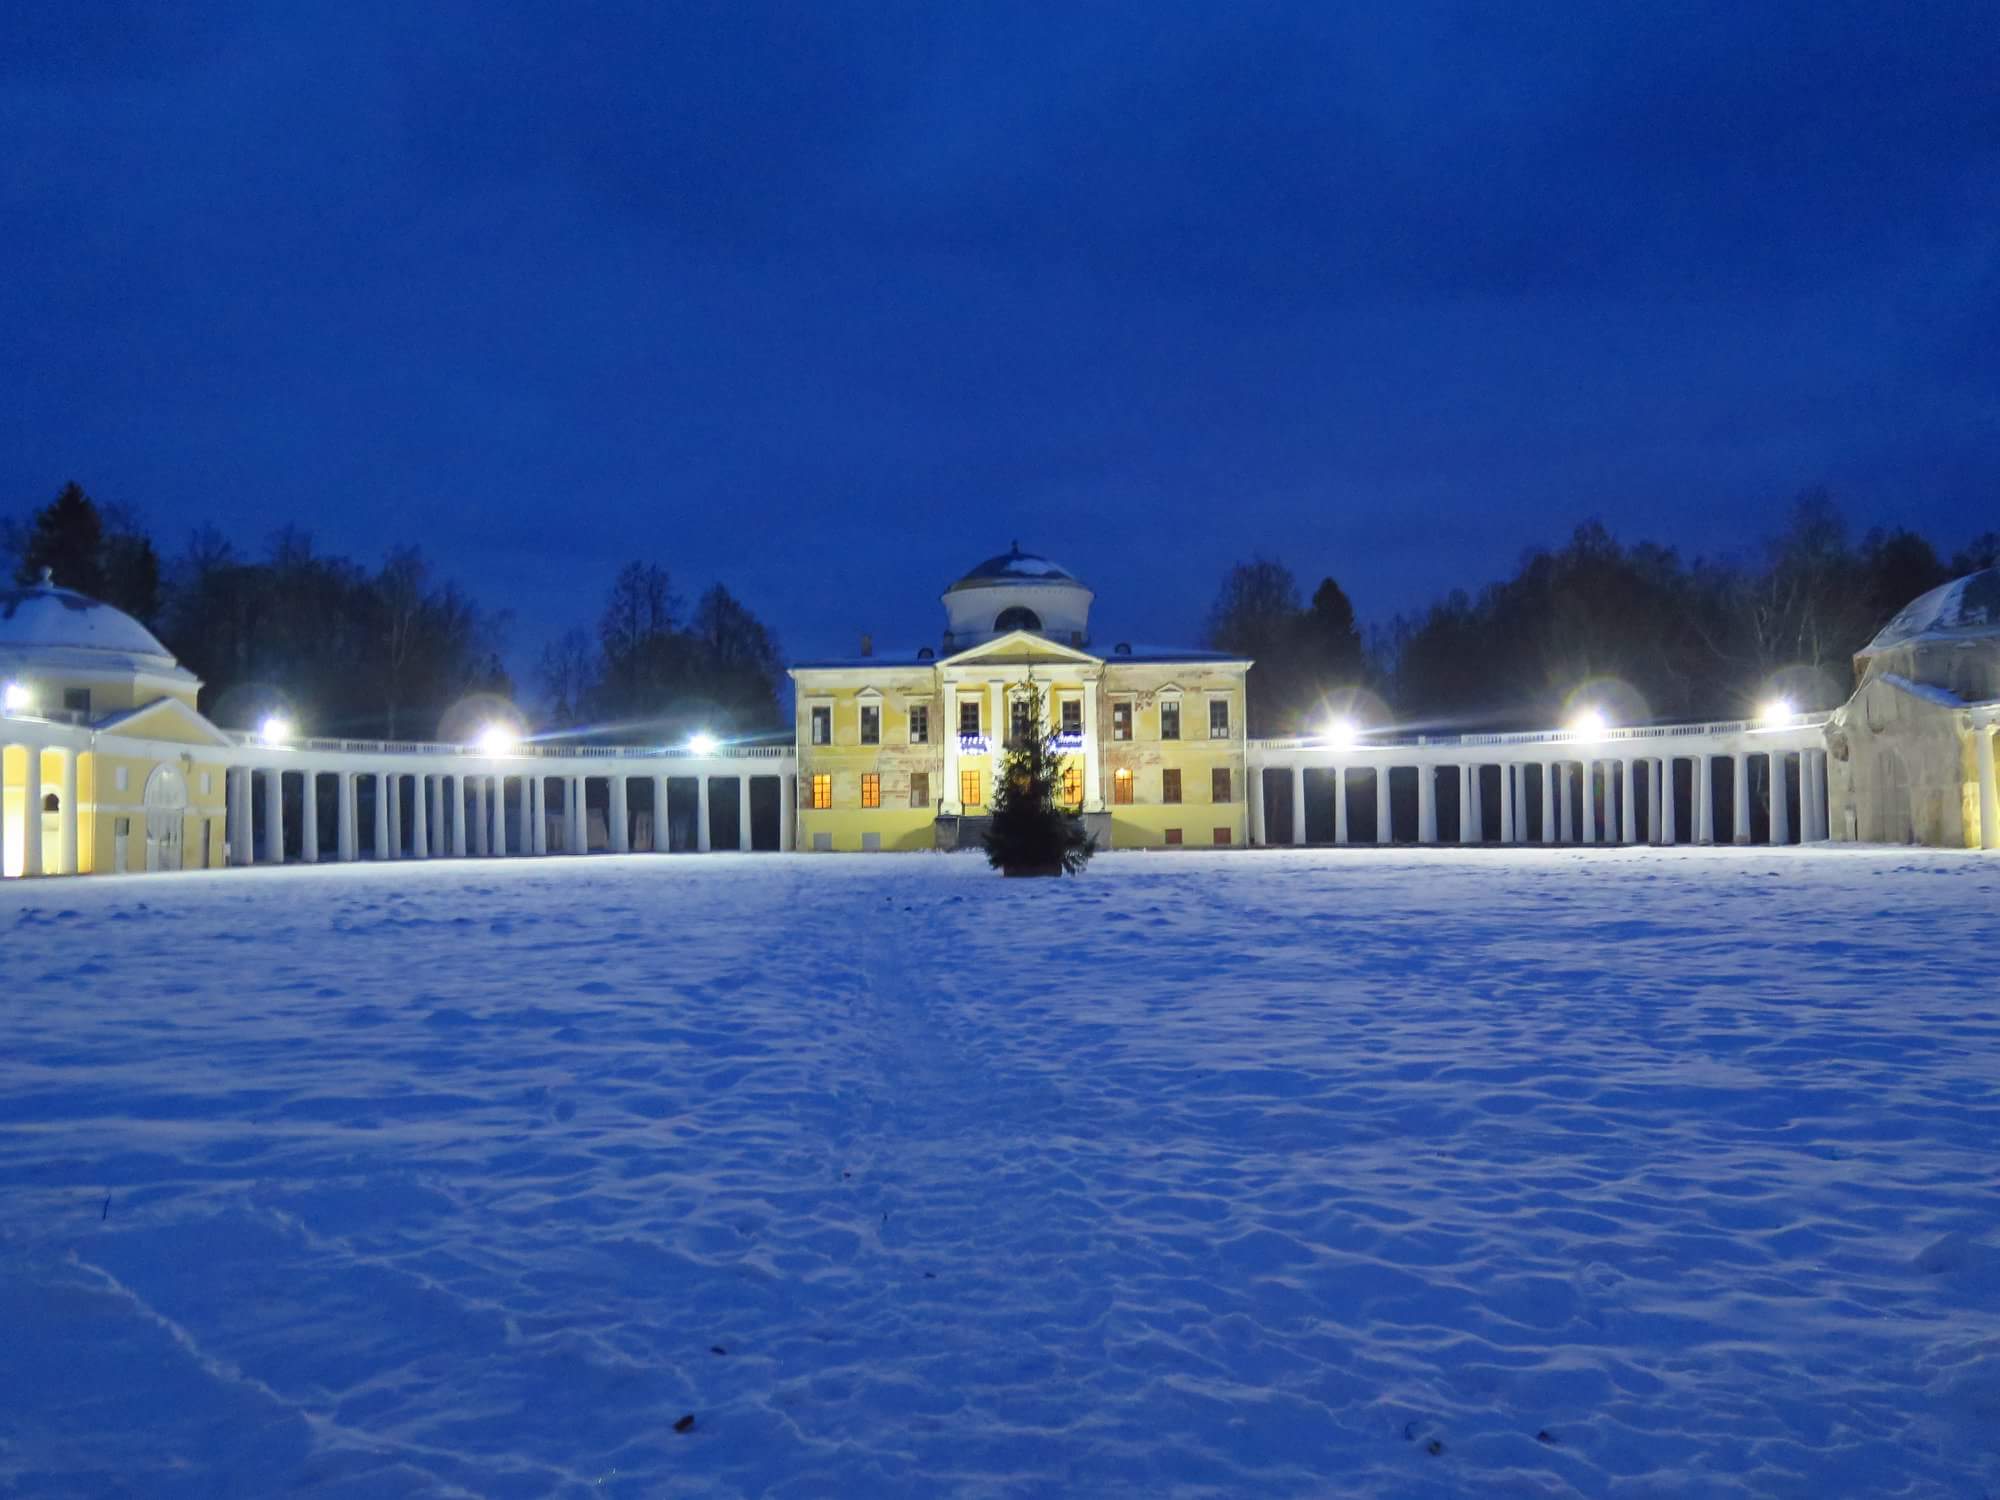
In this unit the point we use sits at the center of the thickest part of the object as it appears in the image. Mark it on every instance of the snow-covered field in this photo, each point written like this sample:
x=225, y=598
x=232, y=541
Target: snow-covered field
x=1452, y=1174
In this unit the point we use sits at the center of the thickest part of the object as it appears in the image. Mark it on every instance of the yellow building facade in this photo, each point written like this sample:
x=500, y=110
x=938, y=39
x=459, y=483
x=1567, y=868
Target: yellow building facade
x=898, y=751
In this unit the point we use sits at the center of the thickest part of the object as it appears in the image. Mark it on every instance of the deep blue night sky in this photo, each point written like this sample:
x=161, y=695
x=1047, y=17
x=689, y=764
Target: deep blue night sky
x=829, y=302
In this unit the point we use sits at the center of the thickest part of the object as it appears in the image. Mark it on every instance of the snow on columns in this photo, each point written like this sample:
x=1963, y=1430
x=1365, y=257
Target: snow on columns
x=1382, y=829
x=343, y=816
x=1298, y=805
x=621, y=838
x=702, y=841
x=743, y=813
x=1989, y=794
x=309, y=816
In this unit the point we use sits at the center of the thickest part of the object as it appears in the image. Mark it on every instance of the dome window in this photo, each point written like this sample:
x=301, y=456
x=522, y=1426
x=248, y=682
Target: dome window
x=1017, y=617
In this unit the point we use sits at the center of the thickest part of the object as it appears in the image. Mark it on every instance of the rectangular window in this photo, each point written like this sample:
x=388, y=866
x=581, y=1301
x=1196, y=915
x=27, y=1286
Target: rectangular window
x=1170, y=786
x=1072, y=716
x=920, y=724
x=1218, y=790
x=822, y=789
x=1218, y=718
x=1170, y=719
x=77, y=700
x=1017, y=721
x=1121, y=721
x=122, y=827
x=968, y=716
x=871, y=724
x=1221, y=836
x=1173, y=836
x=1072, y=787
x=1121, y=787
x=969, y=788
x=871, y=789
x=920, y=789
x=822, y=724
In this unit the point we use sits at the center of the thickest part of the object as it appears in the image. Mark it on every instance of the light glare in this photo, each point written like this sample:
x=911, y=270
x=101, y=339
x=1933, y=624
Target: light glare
x=702, y=744
x=1340, y=734
x=275, y=730
x=1777, y=712
x=1588, y=724
x=15, y=696
x=497, y=739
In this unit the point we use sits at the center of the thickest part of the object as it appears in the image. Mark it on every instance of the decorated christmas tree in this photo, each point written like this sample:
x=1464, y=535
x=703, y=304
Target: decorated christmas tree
x=1034, y=830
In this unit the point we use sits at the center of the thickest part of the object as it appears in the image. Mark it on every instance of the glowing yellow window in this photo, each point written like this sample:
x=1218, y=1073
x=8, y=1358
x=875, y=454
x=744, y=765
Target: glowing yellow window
x=871, y=789
x=1073, y=787
x=822, y=786
x=969, y=788
x=1121, y=785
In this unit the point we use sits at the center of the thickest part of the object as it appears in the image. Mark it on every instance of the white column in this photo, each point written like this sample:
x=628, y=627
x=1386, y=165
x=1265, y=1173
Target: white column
x=621, y=838
x=540, y=798
x=1704, y=800
x=241, y=850
x=1253, y=793
x=576, y=825
x=309, y=816
x=480, y=822
x=661, y=842
x=1298, y=804
x=1465, y=779
x=1739, y=785
x=1093, y=776
x=343, y=816
x=1669, y=805
x=1653, y=800
x=71, y=816
x=701, y=836
x=1548, y=802
x=500, y=816
x=1478, y=805
x=1563, y=803
x=1507, y=803
x=1587, y=788
x=743, y=813
x=381, y=815
x=1811, y=795
x=438, y=841
x=1989, y=794
x=997, y=695
x=420, y=819
x=788, y=796
x=1781, y=816
x=1427, y=816
x=274, y=817
x=1382, y=804
x=948, y=711
x=396, y=816
x=1628, y=800
x=31, y=813
x=1340, y=804
x=458, y=840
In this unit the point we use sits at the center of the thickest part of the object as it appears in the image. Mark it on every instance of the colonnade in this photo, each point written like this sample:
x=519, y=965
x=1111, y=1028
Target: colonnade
x=1570, y=799
x=468, y=812
x=42, y=819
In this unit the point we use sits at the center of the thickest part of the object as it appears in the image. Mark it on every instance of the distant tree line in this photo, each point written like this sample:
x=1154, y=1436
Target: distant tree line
x=1636, y=629
x=393, y=651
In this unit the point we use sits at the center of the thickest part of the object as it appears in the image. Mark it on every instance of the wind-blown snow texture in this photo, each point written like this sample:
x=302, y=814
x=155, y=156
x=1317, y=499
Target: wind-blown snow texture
x=1566, y=1173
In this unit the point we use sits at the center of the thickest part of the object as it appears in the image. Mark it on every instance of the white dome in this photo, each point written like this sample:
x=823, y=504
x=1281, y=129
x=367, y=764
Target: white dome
x=1967, y=608
x=41, y=623
x=1016, y=591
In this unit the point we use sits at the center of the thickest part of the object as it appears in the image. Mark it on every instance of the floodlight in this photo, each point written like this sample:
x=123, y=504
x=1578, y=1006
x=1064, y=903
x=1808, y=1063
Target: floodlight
x=703, y=743
x=275, y=730
x=1588, y=724
x=15, y=697
x=1339, y=734
x=1776, y=713
x=497, y=739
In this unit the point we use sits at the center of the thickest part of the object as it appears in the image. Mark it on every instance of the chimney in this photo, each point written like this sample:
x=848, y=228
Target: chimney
x=867, y=645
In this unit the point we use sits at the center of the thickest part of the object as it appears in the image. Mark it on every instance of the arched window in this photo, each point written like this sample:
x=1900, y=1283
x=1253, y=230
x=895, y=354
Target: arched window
x=1017, y=617
x=51, y=803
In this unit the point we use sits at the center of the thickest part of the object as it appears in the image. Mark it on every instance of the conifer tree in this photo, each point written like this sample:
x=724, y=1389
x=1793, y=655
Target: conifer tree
x=1031, y=830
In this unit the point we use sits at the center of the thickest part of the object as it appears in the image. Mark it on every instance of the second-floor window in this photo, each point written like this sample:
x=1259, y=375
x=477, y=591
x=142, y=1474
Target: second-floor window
x=1219, y=784
x=871, y=724
x=1170, y=786
x=968, y=716
x=871, y=789
x=1121, y=786
x=1218, y=718
x=1072, y=716
x=822, y=724
x=920, y=725
x=920, y=789
x=1121, y=721
x=1017, y=720
x=1170, y=719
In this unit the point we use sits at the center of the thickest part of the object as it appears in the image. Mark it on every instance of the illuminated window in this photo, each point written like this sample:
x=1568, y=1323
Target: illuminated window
x=1170, y=786
x=1170, y=719
x=822, y=724
x=1173, y=836
x=1121, y=721
x=1221, y=835
x=920, y=724
x=1072, y=786
x=871, y=789
x=1072, y=716
x=1218, y=718
x=968, y=716
x=822, y=790
x=969, y=788
x=871, y=724
x=1219, y=784
x=1121, y=785
x=920, y=789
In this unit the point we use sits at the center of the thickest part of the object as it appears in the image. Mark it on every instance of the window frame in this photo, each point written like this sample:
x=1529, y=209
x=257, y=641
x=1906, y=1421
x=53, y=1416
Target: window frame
x=1122, y=708
x=1064, y=707
x=821, y=789
x=1072, y=786
x=918, y=723
x=818, y=714
x=871, y=789
x=1170, y=702
x=975, y=702
x=1221, y=778
x=1220, y=701
x=973, y=782
x=862, y=725
x=1170, y=786
x=920, y=782
x=1122, y=781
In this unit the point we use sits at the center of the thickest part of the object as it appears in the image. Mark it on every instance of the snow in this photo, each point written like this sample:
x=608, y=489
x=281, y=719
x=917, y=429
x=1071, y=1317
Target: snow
x=1558, y=1173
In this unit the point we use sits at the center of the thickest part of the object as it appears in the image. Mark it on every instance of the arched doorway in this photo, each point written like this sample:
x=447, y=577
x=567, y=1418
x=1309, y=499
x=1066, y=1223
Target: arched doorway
x=166, y=814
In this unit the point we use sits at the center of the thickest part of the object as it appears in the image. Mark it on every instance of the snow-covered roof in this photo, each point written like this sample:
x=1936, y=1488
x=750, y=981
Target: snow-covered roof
x=41, y=620
x=1967, y=608
x=1015, y=566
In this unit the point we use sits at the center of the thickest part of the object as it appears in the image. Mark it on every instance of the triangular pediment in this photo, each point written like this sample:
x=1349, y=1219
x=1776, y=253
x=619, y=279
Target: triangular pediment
x=164, y=719
x=1023, y=648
